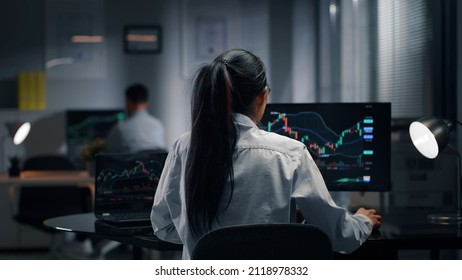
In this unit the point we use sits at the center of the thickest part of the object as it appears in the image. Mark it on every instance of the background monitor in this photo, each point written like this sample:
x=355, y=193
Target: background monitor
x=88, y=126
x=350, y=142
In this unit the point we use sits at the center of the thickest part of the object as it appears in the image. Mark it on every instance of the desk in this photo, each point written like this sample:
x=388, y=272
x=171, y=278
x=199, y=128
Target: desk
x=37, y=178
x=402, y=229
x=408, y=229
x=87, y=224
x=15, y=236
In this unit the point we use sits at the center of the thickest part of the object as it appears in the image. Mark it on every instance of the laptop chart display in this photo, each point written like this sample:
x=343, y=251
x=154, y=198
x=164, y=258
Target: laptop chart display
x=125, y=184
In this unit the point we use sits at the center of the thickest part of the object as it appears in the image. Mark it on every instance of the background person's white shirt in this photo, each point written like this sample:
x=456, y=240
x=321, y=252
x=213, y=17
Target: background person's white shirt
x=139, y=132
x=269, y=170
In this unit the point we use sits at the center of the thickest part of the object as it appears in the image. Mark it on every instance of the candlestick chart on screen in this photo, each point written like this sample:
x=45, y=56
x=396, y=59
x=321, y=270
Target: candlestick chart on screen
x=137, y=178
x=343, y=140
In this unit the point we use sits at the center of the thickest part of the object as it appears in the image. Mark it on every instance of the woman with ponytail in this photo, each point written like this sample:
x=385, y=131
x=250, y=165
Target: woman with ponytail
x=226, y=171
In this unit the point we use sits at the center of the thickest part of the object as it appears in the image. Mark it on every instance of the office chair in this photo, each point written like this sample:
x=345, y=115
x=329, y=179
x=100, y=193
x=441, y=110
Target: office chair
x=48, y=163
x=38, y=203
x=152, y=151
x=264, y=242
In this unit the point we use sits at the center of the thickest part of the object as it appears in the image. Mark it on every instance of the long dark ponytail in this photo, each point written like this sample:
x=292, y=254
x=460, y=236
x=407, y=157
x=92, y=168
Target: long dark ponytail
x=229, y=84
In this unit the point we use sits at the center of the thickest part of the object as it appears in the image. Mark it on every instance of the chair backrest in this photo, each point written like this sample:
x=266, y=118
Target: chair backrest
x=49, y=163
x=264, y=242
x=152, y=151
x=43, y=202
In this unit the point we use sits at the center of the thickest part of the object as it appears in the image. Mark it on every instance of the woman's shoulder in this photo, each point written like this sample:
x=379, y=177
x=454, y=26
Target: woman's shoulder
x=181, y=144
x=284, y=141
x=273, y=141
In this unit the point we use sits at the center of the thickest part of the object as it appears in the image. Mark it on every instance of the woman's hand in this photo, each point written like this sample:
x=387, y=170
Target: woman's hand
x=372, y=215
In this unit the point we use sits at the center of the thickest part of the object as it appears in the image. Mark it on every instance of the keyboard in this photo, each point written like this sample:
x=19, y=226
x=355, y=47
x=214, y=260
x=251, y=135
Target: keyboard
x=127, y=217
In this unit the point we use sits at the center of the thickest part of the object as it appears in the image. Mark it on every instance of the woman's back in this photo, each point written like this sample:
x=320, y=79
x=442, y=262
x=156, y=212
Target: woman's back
x=264, y=168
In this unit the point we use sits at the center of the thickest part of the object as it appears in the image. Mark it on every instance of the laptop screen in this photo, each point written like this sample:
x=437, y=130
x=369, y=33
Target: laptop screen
x=126, y=183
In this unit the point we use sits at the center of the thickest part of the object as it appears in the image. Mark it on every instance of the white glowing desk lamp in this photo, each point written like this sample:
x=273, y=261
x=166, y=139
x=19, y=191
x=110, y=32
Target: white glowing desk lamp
x=18, y=131
x=430, y=135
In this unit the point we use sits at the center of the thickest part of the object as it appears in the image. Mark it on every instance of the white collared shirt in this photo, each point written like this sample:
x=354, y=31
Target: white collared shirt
x=269, y=171
x=139, y=132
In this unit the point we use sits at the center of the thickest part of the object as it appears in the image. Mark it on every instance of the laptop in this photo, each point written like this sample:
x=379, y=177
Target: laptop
x=125, y=185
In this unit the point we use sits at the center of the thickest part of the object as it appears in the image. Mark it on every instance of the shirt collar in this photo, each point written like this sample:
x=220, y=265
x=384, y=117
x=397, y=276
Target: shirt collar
x=244, y=120
x=139, y=112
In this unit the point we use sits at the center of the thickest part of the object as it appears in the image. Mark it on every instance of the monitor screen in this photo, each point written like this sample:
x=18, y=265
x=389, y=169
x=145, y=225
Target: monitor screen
x=88, y=126
x=350, y=142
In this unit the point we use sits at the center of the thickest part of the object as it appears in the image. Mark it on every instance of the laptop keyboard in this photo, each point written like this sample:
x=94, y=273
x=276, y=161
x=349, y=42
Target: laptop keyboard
x=124, y=228
x=129, y=217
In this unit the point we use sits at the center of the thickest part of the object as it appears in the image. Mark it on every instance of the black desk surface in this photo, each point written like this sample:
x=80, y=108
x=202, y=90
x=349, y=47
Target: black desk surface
x=402, y=229
x=409, y=229
x=89, y=225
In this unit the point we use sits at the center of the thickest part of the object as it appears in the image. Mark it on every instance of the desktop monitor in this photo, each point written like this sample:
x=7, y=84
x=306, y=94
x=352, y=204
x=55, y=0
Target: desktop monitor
x=350, y=142
x=86, y=126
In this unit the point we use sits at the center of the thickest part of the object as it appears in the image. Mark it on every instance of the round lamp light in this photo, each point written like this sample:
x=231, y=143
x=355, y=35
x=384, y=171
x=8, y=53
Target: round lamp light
x=430, y=135
x=19, y=131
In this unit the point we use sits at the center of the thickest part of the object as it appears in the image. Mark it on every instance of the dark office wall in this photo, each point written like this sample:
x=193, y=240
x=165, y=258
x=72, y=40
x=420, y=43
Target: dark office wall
x=120, y=69
x=279, y=31
x=23, y=48
x=304, y=49
x=21, y=44
x=459, y=72
x=281, y=49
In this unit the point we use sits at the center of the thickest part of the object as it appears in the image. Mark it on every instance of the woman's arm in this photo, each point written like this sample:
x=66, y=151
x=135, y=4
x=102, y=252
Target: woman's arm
x=161, y=217
x=347, y=232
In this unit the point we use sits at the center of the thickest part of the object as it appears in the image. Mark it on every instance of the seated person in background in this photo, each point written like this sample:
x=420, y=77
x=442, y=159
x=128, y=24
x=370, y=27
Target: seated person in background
x=140, y=131
x=227, y=171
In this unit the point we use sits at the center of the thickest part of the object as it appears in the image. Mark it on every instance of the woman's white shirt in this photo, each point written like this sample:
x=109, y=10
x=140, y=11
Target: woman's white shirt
x=270, y=171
